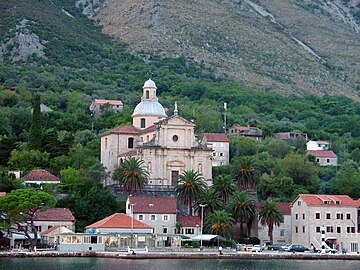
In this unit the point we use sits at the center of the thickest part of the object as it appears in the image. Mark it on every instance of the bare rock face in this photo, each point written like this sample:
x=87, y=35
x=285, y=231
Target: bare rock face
x=89, y=7
x=23, y=45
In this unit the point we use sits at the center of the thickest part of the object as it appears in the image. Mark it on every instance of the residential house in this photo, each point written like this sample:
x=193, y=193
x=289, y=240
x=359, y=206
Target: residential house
x=157, y=212
x=54, y=217
x=49, y=236
x=290, y=135
x=282, y=233
x=2, y=194
x=190, y=225
x=324, y=157
x=246, y=131
x=317, y=145
x=219, y=143
x=99, y=105
x=40, y=177
x=338, y=215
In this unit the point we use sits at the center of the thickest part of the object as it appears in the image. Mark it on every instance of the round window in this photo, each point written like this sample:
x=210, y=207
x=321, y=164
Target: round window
x=175, y=138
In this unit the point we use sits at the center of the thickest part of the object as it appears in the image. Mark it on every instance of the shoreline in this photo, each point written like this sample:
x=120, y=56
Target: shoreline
x=182, y=255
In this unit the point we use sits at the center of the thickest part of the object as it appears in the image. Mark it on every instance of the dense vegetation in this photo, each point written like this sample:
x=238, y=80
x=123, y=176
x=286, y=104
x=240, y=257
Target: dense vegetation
x=82, y=64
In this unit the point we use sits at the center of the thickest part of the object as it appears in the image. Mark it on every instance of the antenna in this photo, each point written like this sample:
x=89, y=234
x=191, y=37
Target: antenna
x=225, y=108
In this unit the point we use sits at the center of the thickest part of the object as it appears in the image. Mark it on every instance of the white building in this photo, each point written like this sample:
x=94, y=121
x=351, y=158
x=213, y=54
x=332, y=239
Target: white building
x=100, y=105
x=219, y=143
x=317, y=145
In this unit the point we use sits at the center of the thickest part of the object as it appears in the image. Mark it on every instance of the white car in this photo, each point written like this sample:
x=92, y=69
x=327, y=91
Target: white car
x=257, y=248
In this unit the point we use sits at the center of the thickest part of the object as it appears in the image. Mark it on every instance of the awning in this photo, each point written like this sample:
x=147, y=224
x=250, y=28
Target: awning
x=17, y=236
x=205, y=237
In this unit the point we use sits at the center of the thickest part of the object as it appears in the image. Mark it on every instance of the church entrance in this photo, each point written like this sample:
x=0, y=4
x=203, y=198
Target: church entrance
x=174, y=178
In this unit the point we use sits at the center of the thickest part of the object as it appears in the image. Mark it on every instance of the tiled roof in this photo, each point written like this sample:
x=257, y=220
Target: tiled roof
x=130, y=153
x=216, y=137
x=50, y=230
x=321, y=142
x=153, y=204
x=55, y=214
x=2, y=194
x=107, y=101
x=149, y=129
x=122, y=130
x=242, y=128
x=328, y=200
x=40, y=175
x=322, y=153
x=284, y=208
x=119, y=220
x=189, y=221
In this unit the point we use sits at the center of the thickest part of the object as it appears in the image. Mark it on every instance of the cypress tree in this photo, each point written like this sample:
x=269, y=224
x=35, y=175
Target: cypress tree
x=35, y=130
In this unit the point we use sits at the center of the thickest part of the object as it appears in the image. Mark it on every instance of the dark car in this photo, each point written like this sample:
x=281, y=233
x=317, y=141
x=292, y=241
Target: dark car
x=275, y=247
x=298, y=248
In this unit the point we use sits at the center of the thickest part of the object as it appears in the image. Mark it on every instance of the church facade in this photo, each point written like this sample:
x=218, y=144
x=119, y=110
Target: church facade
x=167, y=145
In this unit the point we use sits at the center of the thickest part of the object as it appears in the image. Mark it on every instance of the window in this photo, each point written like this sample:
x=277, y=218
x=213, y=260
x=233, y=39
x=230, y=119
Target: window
x=327, y=160
x=348, y=216
x=318, y=229
x=142, y=123
x=221, y=144
x=338, y=229
x=282, y=232
x=317, y=215
x=296, y=216
x=221, y=154
x=328, y=216
x=38, y=228
x=106, y=142
x=303, y=216
x=189, y=231
x=329, y=229
x=141, y=217
x=303, y=229
x=49, y=227
x=165, y=230
x=147, y=95
x=299, y=203
x=214, y=154
x=130, y=142
x=152, y=217
x=149, y=167
x=296, y=229
x=352, y=229
x=165, y=217
x=175, y=138
x=129, y=206
x=340, y=216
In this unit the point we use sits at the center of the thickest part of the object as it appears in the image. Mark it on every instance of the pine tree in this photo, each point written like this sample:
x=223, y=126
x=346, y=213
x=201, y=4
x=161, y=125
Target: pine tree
x=35, y=130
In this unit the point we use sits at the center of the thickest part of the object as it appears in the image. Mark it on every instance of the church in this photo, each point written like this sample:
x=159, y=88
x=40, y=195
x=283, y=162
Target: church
x=167, y=144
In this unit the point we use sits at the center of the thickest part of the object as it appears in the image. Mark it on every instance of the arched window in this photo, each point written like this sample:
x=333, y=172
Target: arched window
x=200, y=168
x=130, y=142
x=147, y=138
x=142, y=122
x=149, y=167
x=147, y=94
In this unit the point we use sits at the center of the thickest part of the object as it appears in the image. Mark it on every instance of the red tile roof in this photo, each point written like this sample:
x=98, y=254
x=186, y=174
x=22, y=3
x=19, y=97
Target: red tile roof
x=216, y=137
x=153, y=204
x=129, y=153
x=2, y=194
x=107, y=101
x=122, y=130
x=241, y=127
x=321, y=142
x=119, y=220
x=189, y=221
x=284, y=208
x=149, y=129
x=328, y=200
x=40, y=175
x=50, y=230
x=322, y=153
x=54, y=214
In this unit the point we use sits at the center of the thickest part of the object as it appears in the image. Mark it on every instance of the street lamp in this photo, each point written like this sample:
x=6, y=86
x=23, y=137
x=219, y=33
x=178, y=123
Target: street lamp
x=132, y=223
x=201, y=225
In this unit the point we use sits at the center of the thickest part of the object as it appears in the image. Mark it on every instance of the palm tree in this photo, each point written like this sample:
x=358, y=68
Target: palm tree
x=243, y=210
x=190, y=186
x=210, y=199
x=219, y=222
x=224, y=187
x=131, y=174
x=270, y=215
x=245, y=173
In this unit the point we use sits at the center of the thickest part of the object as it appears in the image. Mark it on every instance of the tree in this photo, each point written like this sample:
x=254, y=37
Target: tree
x=19, y=207
x=270, y=215
x=245, y=173
x=346, y=182
x=35, y=130
x=8, y=182
x=224, y=187
x=190, y=186
x=243, y=210
x=131, y=174
x=27, y=160
x=219, y=222
x=210, y=199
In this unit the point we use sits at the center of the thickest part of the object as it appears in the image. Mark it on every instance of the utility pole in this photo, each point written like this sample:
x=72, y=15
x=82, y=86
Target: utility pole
x=225, y=108
x=202, y=223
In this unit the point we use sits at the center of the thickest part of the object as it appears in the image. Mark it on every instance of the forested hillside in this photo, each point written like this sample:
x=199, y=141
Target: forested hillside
x=71, y=62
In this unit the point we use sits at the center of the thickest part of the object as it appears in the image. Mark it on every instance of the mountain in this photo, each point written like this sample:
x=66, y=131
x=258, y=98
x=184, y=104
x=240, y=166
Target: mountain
x=289, y=46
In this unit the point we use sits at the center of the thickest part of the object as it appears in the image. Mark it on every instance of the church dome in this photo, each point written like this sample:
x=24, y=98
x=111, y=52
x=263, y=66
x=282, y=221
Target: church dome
x=149, y=107
x=149, y=83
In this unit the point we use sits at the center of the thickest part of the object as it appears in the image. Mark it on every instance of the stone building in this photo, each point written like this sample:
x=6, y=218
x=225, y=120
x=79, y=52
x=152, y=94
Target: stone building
x=167, y=145
x=219, y=143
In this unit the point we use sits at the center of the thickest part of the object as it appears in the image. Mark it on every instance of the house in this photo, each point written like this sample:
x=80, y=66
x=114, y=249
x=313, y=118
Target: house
x=167, y=145
x=40, y=177
x=219, y=143
x=317, y=145
x=290, y=135
x=54, y=217
x=282, y=233
x=190, y=225
x=2, y=194
x=49, y=237
x=338, y=215
x=324, y=157
x=99, y=105
x=246, y=131
x=157, y=212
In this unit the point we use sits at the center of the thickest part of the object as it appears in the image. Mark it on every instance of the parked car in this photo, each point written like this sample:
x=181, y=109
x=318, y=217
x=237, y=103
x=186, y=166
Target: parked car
x=257, y=248
x=298, y=248
x=248, y=248
x=275, y=247
x=286, y=247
